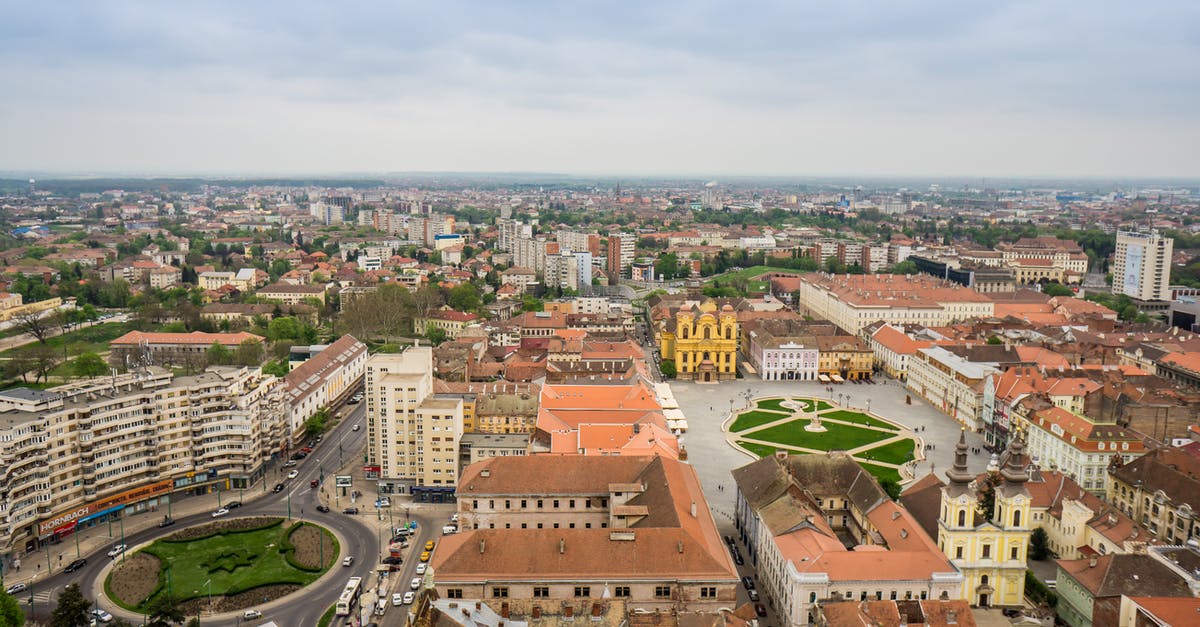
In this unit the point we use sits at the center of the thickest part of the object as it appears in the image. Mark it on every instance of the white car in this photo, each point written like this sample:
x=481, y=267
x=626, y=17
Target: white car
x=220, y=512
x=398, y=599
x=349, y=560
x=454, y=518
x=355, y=427
x=252, y=614
x=416, y=583
x=383, y=502
x=421, y=568
x=102, y=616
x=117, y=550
x=17, y=587
x=293, y=474
x=408, y=598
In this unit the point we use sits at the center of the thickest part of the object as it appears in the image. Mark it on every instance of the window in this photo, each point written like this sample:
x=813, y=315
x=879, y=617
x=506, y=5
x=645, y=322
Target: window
x=708, y=592
x=541, y=592
x=500, y=593
x=1017, y=518
x=962, y=518
x=1015, y=551
x=958, y=552
x=523, y=505
x=454, y=593
x=622, y=592
x=662, y=592
x=555, y=503
x=987, y=551
x=571, y=503
x=583, y=591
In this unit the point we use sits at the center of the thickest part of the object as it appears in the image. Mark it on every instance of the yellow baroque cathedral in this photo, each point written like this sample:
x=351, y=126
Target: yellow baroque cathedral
x=703, y=342
x=990, y=551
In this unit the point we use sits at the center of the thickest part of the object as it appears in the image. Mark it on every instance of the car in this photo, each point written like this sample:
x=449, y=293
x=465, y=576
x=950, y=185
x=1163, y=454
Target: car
x=306, y=449
x=393, y=560
x=421, y=568
x=220, y=512
x=383, y=502
x=233, y=504
x=760, y=609
x=76, y=565
x=289, y=463
x=397, y=599
x=348, y=561
x=753, y=594
x=167, y=521
x=252, y=614
x=408, y=598
x=314, y=483
x=117, y=550
x=293, y=474
x=449, y=529
x=401, y=539
x=324, y=509
x=354, y=399
x=454, y=518
x=415, y=583
x=278, y=488
x=355, y=427
x=16, y=587
x=299, y=455
x=747, y=582
x=730, y=541
x=429, y=545
x=425, y=556
x=102, y=616
x=350, y=510
x=737, y=558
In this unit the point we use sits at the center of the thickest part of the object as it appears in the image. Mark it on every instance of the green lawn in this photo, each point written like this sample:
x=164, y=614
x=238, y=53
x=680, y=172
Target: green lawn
x=751, y=419
x=94, y=339
x=837, y=437
x=762, y=450
x=894, y=453
x=774, y=404
x=234, y=561
x=327, y=617
x=881, y=473
x=859, y=418
x=753, y=271
x=822, y=406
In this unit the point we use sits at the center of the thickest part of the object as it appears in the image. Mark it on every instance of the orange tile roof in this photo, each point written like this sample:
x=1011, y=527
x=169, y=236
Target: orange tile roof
x=1171, y=610
x=195, y=337
x=1189, y=361
x=1087, y=435
x=897, y=341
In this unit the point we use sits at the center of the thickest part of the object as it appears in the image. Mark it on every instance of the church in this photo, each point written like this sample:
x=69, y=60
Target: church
x=702, y=341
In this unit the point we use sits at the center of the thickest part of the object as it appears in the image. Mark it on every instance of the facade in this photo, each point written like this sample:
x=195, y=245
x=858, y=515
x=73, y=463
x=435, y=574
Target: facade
x=1090, y=590
x=412, y=433
x=1141, y=266
x=544, y=533
x=1080, y=448
x=950, y=383
x=989, y=551
x=782, y=357
x=853, y=302
x=130, y=443
x=289, y=294
x=844, y=358
x=323, y=378
x=1161, y=492
x=165, y=276
x=893, y=349
x=451, y=321
x=703, y=342
x=171, y=349
x=621, y=249
x=799, y=514
x=521, y=278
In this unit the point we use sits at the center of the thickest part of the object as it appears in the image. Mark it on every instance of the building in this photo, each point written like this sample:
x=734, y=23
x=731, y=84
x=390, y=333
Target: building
x=702, y=342
x=844, y=358
x=1079, y=447
x=130, y=444
x=1141, y=266
x=989, y=550
x=137, y=348
x=853, y=302
x=544, y=533
x=1161, y=492
x=164, y=277
x=325, y=377
x=893, y=349
x=521, y=278
x=451, y=321
x=641, y=271
x=621, y=249
x=1090, y=590
x=412, y=433
x=927, y=613
x=951, y=383
x=476, y=447
x=289, y=294
x=781, y=352
x=819, y=528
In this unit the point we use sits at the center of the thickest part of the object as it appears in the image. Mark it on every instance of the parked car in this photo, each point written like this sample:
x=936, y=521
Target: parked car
x=293, y=474
x=278, y=488
x=251, y=614
x=289, y=463
x=348, y=561
x=425, y=556
x=415, y=583
x=421, y=568
x=299, y=455
x=323, y=509
x=393, y=560
x=449, y=529
x=429, y=545
x=747, y=582
x=753, y=594
x=16, y=587
x=76, y=565
x=167, y=521
x=233, y=504
x=102, y=616
x=306, y=449
x=760, y=609
x=117, y=550
x=220, y=512
x=397, y=599
x=408, y=598
x=350, y=510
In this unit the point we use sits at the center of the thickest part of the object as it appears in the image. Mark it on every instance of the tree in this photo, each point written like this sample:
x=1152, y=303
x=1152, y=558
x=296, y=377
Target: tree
x=285, y=328
x=73, y=609
x=667, y=266
x=44, y=359
x=248, y=353
x=10, y=611
x=1129, y=312
x=892, y=488
x=1039, y=545
x=532, y=303
x=317, y=423
x=165, y=612
x=464, y=297
x=668, y=368
x=35, y=324
x=436, y=334
x=218, y=355
x=1057, y=289
x=89, y=365
x=995, y=339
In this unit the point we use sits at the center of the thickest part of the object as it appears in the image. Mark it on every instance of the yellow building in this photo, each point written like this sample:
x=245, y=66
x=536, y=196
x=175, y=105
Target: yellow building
x=990, y=552
x=844, y=356
x=703, y=342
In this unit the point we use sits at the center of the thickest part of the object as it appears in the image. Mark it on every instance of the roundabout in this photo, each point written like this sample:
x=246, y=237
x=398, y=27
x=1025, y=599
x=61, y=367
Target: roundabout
x=223, y=566
x=799, y=425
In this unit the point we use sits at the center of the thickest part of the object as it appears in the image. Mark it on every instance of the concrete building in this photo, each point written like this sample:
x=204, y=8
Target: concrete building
x=412, y=433
x=82, y=454
x=853, y=302
x=291, y=294
x=451, y=321
x=137, y=348
x=323, y=378
x=1141, y=266
x=621, y=249
x=951, y=383
x=1079, y=447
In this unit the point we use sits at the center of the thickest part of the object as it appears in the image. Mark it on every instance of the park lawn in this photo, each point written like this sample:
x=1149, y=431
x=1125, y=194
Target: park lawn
x=822, y=406
x=751, y=272
x=752, y=419
x=762, y=450
x=774, y=404
x=859, y=418
x=837, y=437
x=253, y=555
x=881, y=473
x=93, y=339
x=893, y=453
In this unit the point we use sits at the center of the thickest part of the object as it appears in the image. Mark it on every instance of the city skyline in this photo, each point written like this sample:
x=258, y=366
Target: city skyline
x=1066, y=89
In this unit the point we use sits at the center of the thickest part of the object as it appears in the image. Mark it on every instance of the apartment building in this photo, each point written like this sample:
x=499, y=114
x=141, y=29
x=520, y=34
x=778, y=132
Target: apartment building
x=289, y=294
x=1141, y=266
x=1079, y=447
x=1161, y=491
x=451, y=321
x=853, y=302
x=322, y=379
x=81, y=454
x=412, y=433
x=621, y=249
x=951, y=383
x=545, y=532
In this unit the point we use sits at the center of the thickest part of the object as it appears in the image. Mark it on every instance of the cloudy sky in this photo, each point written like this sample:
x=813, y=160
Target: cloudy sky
x=891, y=87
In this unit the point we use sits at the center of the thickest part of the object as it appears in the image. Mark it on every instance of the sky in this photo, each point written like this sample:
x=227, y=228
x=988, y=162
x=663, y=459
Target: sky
x=1044, y=88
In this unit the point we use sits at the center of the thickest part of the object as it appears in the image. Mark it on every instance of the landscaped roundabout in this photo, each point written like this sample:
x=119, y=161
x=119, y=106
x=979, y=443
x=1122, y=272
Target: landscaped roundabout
x=223, y=566
x=806, y=425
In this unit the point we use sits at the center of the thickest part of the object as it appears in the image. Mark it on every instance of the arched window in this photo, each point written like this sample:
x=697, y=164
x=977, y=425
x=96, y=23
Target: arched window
x=707, y=332
x=683, y=332
x=962, y=518
x=1017, y=518
x=983, y=580
x=729, y=333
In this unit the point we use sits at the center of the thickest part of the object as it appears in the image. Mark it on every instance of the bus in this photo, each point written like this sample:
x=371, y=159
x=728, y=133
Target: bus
x=349, y=597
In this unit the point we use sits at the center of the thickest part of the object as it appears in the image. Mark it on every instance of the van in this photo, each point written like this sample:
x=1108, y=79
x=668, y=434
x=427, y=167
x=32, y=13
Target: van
x=449, y=529
x=1051, y=583
x=380, y=607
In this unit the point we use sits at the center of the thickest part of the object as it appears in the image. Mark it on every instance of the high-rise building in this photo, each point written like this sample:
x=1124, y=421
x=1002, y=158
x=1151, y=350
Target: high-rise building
x=1141, y=266
x=412, y=433
x=620, y=255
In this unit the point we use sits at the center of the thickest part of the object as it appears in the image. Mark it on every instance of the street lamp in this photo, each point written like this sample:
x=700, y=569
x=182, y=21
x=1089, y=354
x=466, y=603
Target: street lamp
x=208, y=585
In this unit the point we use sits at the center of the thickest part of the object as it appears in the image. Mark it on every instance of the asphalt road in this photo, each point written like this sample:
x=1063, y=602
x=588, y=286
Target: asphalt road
x=302, y=609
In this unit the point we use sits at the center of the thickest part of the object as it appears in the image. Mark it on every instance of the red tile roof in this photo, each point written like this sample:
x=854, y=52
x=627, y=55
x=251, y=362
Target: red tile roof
x=134, y=338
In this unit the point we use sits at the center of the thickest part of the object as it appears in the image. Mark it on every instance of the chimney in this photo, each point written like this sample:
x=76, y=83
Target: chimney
x=693, y=509
x=481, y=542
x=1092, y=563
x=562, y=546
x=680, y=544
x=951, y=617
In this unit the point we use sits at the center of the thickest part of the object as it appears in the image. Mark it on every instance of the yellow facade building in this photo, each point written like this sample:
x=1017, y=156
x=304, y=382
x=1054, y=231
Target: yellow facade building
x=990, y=552
x=702, y=341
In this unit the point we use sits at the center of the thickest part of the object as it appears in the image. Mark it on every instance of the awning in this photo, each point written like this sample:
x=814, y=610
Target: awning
x=101, y=513
x=837, y=378
x=822, y=378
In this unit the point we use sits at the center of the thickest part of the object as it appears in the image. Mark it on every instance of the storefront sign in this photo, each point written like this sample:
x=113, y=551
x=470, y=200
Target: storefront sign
x=343, y=481
x=84, y=511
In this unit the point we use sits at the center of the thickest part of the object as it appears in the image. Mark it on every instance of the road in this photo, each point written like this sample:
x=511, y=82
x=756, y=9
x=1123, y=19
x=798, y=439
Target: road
x=303, y=609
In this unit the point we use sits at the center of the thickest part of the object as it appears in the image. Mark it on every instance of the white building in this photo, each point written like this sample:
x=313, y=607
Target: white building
x=1141, y=265
x=950, y=383
x=322, y=379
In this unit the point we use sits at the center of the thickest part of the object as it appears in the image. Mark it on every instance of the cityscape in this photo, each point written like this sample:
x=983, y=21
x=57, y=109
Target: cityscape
x=501, y=315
